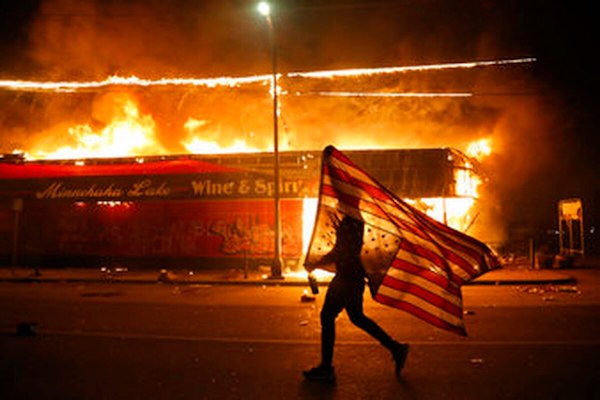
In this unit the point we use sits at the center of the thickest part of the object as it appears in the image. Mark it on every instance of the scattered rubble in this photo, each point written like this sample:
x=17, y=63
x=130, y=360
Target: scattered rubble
x=548, y=289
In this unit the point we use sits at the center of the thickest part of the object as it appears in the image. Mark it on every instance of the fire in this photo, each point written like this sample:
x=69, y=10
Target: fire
x=452, y=211
x=113, y=81
x=466, y=182
x=129, y=132
x=309, y=214
x=196, y=144
x=480, y=149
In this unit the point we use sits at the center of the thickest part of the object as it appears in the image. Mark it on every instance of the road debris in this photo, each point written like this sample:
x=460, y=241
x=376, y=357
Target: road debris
x=549, y=289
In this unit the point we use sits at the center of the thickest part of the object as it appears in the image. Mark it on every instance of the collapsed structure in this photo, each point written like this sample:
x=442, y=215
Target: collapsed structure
x=195, y=211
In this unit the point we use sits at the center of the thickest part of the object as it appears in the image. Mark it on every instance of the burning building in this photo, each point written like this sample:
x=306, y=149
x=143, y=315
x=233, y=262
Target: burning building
x=199, y=210
x=180, y=171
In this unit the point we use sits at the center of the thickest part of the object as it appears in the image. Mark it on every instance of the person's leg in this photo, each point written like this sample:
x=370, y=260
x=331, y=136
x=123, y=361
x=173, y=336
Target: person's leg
x=332, y=307
x=354, y=308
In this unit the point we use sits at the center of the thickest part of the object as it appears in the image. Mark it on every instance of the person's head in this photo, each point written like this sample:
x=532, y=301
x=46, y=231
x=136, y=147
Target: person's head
x=349, y=234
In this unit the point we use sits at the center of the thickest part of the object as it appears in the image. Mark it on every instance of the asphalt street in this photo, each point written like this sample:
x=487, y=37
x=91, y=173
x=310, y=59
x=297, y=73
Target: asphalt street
x=209, y=341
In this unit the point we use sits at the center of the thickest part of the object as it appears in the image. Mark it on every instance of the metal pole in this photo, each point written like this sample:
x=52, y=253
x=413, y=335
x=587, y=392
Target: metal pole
x=277, y=264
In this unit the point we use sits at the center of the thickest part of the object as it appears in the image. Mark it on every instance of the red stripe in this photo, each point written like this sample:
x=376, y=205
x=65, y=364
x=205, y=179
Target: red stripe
x=455, y=251
x=427, y=224
x=426, y=274
x=430, y=224
x=420, y=313
x=454, y=238
x=447, y=253
x=422, y=293
x=453, y=254
x=372, y=189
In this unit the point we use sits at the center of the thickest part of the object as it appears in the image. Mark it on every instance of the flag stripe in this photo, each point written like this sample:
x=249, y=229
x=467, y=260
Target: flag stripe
x=445, y=240
x=424, y=261
x=440, y=255
x=421, y=291
x=435, y=258
x=400, y=266
x=456, y=240
x=452, y=237
x=420, y=303
x=456, y=327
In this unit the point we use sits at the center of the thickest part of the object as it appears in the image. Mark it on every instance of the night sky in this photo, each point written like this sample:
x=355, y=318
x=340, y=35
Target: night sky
x=86, y=39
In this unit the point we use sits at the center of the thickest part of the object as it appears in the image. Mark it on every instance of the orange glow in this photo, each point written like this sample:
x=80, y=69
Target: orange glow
x=479, y=149
x=195, y=144
x=321, y=275
x=113, y=204
x=128, y=133
x=113, y=81
x=309, y=214
x=466, y=182
x=452, y=211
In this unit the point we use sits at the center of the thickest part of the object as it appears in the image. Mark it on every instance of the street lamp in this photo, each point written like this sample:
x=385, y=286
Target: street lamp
x=265, y=9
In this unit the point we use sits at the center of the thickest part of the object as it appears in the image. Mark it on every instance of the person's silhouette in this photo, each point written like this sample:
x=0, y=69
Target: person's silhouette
x=345, y=291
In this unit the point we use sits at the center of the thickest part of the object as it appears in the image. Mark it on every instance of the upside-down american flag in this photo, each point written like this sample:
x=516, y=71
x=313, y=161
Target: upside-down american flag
x=412, y=262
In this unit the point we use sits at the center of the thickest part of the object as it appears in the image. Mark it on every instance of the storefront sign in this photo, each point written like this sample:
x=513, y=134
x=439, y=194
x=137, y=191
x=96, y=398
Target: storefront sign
x=223, y=186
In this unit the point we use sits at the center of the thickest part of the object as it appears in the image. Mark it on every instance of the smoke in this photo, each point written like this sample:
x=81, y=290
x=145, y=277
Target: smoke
x=90, y=40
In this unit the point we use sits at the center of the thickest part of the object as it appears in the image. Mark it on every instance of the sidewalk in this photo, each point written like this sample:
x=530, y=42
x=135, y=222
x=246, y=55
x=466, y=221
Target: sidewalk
x=507, y=275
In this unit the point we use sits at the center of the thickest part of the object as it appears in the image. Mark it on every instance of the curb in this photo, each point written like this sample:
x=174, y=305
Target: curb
x=269, y=282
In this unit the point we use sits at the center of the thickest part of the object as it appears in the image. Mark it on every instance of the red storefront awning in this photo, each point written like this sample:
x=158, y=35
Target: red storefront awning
x=168, y=179
x=37, y=170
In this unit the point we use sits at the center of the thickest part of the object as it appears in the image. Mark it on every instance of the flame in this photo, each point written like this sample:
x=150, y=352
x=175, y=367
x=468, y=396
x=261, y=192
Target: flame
x=320, y=274
x=353, y=72
x=452, y=211
x=196, y=144
x=309, y=213
x=133, y=133
x=111, y=81
x=128, y=133
x=480, y=149
x=466, y=182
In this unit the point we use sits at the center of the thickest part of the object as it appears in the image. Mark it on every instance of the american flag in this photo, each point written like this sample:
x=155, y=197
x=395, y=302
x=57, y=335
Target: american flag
x=412, y=262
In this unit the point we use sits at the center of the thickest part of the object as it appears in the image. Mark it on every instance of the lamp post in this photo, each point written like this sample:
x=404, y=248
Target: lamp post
x=265, y=9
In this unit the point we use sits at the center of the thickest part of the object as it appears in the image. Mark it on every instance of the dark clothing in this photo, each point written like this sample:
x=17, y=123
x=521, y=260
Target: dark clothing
x=346, y=291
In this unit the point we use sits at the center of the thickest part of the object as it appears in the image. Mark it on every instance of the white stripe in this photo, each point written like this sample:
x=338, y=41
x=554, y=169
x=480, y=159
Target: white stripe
x=419, y=261
x=436, y=233
x=420, y=303
x=394, y=208
x=387, y=225
x=352, y=170
x=381, y=222
x=425, y=284
x=434, y=243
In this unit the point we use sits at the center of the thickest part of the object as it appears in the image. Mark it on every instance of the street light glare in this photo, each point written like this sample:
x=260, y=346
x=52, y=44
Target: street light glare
x=264, y=8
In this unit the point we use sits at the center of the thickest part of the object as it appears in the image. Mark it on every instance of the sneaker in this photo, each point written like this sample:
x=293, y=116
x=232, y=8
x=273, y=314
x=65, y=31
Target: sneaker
x=399, y=353
x=320, y=373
